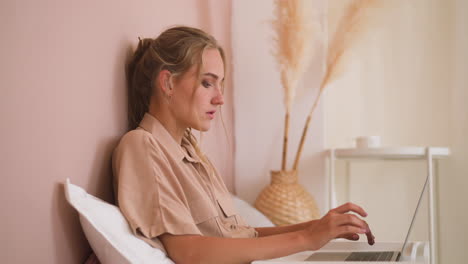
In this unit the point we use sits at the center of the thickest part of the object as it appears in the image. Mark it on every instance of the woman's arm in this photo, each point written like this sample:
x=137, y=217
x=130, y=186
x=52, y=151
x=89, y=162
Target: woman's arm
x=276, y=230
x=200, y=249
x=206, y=250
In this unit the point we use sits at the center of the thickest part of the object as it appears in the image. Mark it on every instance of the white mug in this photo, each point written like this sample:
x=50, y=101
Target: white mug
x=368, y=142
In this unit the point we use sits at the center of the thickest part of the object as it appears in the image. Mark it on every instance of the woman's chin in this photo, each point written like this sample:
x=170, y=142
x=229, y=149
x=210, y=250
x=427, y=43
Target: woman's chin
x=203, y=127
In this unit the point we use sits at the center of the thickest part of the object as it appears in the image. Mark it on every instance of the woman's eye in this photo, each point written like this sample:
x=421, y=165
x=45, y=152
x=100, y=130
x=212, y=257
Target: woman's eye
x=206, y=84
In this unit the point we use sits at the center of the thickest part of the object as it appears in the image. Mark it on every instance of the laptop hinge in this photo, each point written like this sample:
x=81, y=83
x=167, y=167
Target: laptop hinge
x=398, y=256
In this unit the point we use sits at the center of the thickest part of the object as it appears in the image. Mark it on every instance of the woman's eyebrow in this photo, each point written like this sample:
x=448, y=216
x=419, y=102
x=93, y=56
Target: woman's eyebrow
x=216, y=77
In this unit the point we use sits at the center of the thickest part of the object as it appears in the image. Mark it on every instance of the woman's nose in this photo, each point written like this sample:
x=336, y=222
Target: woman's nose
x=218, y=99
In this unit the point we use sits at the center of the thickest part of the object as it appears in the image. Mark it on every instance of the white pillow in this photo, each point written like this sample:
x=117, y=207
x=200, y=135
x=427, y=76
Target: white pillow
x=108, y=232
x=252, y=216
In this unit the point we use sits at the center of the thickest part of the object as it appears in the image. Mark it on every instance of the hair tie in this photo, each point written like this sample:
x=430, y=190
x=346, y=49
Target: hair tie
x=145, y=43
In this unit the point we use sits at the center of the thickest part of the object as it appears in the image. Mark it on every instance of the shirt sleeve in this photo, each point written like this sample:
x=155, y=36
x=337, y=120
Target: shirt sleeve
x=148, y=192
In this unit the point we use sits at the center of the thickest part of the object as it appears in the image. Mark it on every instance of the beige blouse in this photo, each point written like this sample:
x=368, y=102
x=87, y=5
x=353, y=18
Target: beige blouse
x=163, y=187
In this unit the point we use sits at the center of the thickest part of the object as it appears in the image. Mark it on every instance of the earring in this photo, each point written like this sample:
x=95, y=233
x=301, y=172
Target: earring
x=168, y=97
x=168, y=94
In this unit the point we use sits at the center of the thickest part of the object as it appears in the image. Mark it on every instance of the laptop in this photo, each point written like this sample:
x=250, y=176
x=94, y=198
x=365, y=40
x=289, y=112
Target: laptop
x=381, y=256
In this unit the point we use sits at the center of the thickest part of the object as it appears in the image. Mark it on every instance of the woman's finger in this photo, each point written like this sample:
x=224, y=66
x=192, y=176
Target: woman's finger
x=350, y=207
x=348, y=229
x=350, y=236
x=370, y=237
x=349, y=219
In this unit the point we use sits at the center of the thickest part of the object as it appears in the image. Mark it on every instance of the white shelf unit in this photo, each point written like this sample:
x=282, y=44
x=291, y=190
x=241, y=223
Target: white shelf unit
x=429, y=154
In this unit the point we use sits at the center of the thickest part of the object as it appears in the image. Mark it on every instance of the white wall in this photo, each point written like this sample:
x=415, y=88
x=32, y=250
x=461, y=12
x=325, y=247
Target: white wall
x=407, y=83
x=395, y=82
x=453, y=198
x=259, y=110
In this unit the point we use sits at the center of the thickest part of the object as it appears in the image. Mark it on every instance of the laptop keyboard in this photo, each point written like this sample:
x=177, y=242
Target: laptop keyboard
x=370, y=256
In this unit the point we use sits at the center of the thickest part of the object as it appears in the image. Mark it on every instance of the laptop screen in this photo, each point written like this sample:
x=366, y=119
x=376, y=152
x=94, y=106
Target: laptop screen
x=414, y=215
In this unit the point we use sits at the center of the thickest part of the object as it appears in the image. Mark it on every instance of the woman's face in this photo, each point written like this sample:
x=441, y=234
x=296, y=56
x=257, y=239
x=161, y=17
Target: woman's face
x=195, y=100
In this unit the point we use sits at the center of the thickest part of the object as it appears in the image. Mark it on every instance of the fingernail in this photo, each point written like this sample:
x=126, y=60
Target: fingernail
x=364, y=230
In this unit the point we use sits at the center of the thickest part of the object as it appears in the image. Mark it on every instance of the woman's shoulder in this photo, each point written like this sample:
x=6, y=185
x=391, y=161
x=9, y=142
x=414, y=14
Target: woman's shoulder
x=136, y=138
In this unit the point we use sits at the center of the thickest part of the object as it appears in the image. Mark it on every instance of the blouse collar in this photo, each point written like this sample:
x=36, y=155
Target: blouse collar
x=160, y=133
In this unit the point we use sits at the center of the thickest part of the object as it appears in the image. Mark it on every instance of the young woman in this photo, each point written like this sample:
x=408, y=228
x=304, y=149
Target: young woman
x=169, y=192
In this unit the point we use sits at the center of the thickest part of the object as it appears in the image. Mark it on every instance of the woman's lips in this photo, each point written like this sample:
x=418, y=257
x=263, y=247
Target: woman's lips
x=211, y=114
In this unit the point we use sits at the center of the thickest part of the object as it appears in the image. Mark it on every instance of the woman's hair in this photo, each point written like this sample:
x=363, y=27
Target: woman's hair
x=177, y=49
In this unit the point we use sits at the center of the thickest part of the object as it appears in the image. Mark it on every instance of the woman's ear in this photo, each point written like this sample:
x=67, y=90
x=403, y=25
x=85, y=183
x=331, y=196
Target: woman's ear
x=164, y=82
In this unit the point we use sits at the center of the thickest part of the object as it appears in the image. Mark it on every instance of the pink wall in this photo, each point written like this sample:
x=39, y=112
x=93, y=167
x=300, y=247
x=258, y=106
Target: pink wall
x=62, y=108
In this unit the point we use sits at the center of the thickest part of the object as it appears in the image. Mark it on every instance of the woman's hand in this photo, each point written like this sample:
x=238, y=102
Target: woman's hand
x=338, y=223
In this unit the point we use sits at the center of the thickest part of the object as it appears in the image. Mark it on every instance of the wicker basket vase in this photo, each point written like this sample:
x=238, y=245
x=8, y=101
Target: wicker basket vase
x=285, y=201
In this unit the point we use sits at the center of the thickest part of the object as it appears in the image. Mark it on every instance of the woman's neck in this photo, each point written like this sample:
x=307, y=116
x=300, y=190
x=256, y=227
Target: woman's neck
x=169, y=122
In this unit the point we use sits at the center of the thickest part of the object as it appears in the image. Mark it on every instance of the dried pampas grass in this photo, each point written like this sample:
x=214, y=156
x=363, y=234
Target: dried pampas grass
x=294, y=30
x=352, y=24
